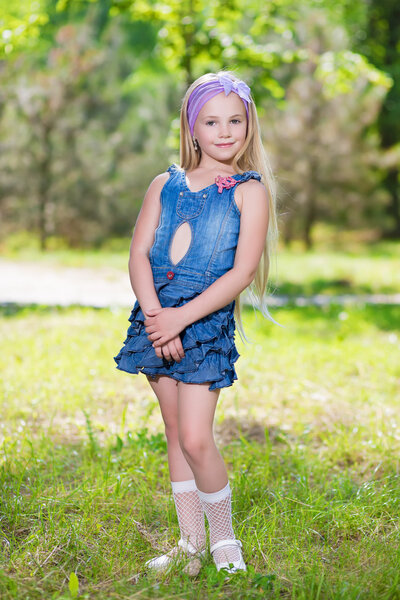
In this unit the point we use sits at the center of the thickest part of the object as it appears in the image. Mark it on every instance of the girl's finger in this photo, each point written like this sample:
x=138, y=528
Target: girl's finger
x=166, y=352
x=174, y=351
x=179, y=354
x=163, y=338
x=154, y=336
x=150, y=328
x=158, y=352
x=149, y=322
x=179, y=347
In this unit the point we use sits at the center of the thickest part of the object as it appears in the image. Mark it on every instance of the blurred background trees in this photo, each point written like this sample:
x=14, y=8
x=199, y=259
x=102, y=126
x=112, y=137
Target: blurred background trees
x=90, y=94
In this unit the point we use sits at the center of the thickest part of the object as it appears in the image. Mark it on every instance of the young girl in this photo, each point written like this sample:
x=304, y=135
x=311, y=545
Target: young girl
x=204, y=233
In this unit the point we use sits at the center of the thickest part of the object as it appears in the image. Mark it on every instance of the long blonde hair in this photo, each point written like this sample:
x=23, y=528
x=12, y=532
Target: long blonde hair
x=251, y=157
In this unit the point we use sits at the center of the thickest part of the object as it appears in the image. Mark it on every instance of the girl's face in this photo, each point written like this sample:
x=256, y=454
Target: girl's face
x=220, y=127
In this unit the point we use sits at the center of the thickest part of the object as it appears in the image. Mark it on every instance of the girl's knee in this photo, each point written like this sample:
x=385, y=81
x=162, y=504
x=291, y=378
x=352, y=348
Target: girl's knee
x=194, y=445
x=172, y=433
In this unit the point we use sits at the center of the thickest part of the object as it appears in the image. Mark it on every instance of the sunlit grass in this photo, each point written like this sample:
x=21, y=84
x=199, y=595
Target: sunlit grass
x=310, y=433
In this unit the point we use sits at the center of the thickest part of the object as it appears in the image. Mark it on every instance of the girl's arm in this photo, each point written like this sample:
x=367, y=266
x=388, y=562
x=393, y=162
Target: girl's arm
x=140, y=272
x=165, y=323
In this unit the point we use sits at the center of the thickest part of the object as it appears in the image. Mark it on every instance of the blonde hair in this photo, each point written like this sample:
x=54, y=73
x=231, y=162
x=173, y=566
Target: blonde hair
x=251, y=157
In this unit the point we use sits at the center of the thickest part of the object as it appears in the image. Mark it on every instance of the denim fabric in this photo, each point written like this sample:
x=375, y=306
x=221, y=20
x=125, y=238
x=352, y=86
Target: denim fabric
x=214, y=219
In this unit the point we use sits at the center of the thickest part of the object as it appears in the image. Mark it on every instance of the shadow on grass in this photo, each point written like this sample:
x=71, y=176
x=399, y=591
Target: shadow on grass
x=330, y=287
x=15, y=309
x=383, y=316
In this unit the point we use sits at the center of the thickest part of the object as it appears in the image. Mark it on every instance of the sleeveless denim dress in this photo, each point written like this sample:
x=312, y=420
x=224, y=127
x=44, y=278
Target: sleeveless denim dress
x=209, y=347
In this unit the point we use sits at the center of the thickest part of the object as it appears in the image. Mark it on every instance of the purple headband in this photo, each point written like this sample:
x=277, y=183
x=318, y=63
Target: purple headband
x=204, y=92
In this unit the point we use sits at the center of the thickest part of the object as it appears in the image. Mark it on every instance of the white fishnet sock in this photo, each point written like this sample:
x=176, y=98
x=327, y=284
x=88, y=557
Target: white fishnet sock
x=190, y=512
x=217, y=507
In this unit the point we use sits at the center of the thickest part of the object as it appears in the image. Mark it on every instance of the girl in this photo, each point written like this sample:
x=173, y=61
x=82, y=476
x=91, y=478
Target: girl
x=204, y=233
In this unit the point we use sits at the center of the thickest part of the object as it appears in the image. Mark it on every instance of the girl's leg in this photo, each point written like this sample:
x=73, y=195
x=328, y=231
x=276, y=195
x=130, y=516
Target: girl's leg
x=196, y=409
x=166, y=391
x=188, y=506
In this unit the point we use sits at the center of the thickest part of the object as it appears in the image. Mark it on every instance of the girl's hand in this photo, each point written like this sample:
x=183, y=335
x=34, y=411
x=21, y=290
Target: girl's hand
x=163, y=324
x=172, y=350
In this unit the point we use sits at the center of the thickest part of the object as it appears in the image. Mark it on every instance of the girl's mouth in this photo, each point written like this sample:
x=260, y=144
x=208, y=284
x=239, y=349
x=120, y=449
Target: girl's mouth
x=224, y=145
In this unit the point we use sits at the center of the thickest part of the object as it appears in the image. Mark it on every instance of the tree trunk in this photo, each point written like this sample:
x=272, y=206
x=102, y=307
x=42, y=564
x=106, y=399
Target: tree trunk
x=310, y=209
x=44, y=185
x=311, y=126
x=188, y=36
x=392, y=185
x=288, y=230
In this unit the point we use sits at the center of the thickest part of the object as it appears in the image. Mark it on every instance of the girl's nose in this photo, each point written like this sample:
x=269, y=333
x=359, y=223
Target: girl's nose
x=225, y=130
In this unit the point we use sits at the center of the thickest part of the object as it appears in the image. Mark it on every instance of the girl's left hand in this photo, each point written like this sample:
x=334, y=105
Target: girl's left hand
x=163, y=324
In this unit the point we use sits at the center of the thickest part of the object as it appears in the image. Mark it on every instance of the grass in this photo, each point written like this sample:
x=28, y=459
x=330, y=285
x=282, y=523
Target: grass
x=310, y=433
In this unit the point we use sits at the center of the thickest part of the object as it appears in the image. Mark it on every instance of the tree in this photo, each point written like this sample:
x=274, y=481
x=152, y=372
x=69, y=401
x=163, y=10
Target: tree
x=381, y=45
x=326, y=151
x=91, y=110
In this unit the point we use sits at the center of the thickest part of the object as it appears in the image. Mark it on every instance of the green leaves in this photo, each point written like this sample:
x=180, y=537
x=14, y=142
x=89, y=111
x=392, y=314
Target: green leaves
x=20, y=25
x=73, y=585
x=338, y=71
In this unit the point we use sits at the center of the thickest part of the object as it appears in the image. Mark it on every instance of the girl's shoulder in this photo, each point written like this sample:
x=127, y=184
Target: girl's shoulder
x=169, y=173
x=174, y=168
x=250, y=180
x=251, y=188
x=160, y=179
x=159, y=182
x=250, y=176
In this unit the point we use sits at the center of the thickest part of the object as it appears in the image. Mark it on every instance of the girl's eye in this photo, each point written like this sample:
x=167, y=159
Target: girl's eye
x=233, y=121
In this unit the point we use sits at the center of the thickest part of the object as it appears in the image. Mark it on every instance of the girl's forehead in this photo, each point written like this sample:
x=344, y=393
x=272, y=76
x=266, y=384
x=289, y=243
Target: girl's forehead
x=221, y=105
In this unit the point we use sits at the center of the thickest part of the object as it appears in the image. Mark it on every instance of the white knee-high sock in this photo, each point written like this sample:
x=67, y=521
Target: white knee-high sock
x=190, y=512
x=217, y=507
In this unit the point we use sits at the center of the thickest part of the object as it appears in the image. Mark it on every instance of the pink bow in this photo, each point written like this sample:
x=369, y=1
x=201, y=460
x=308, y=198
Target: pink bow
x=225, y=182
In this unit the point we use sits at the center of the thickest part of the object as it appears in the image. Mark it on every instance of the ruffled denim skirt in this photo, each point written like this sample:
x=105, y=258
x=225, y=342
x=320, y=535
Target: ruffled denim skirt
x=210, y=351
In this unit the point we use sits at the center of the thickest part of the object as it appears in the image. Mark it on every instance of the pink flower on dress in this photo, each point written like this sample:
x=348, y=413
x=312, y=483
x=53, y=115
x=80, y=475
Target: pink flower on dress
x=225, y=182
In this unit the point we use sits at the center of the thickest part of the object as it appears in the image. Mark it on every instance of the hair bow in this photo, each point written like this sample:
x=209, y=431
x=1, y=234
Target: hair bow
x=239, y=87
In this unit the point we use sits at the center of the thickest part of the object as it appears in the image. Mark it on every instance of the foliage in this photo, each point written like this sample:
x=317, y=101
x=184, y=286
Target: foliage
x=326, y=147
x=89, y=115
x=20, y=25
x=381, y=46
x=78, y=140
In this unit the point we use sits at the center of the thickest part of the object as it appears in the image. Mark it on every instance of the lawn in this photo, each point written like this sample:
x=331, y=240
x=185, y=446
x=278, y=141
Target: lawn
x=310, y=433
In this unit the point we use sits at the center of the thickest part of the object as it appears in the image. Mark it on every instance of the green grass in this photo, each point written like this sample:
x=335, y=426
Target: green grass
x=310, y=433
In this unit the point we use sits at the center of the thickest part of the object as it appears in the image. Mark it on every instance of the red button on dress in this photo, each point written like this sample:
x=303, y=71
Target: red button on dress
x=170, y=274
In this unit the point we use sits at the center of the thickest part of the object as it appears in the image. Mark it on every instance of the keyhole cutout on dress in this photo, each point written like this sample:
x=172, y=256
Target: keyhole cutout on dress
x=181, y=242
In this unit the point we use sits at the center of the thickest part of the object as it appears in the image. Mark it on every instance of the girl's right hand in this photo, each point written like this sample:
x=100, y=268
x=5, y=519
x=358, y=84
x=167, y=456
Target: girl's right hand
x=172, y=350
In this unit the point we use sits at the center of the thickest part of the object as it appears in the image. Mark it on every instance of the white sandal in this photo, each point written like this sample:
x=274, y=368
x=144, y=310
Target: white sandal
x=184, y=548
x=233, y=565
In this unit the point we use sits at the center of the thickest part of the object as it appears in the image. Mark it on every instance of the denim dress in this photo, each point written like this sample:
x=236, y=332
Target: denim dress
x=209, y=345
